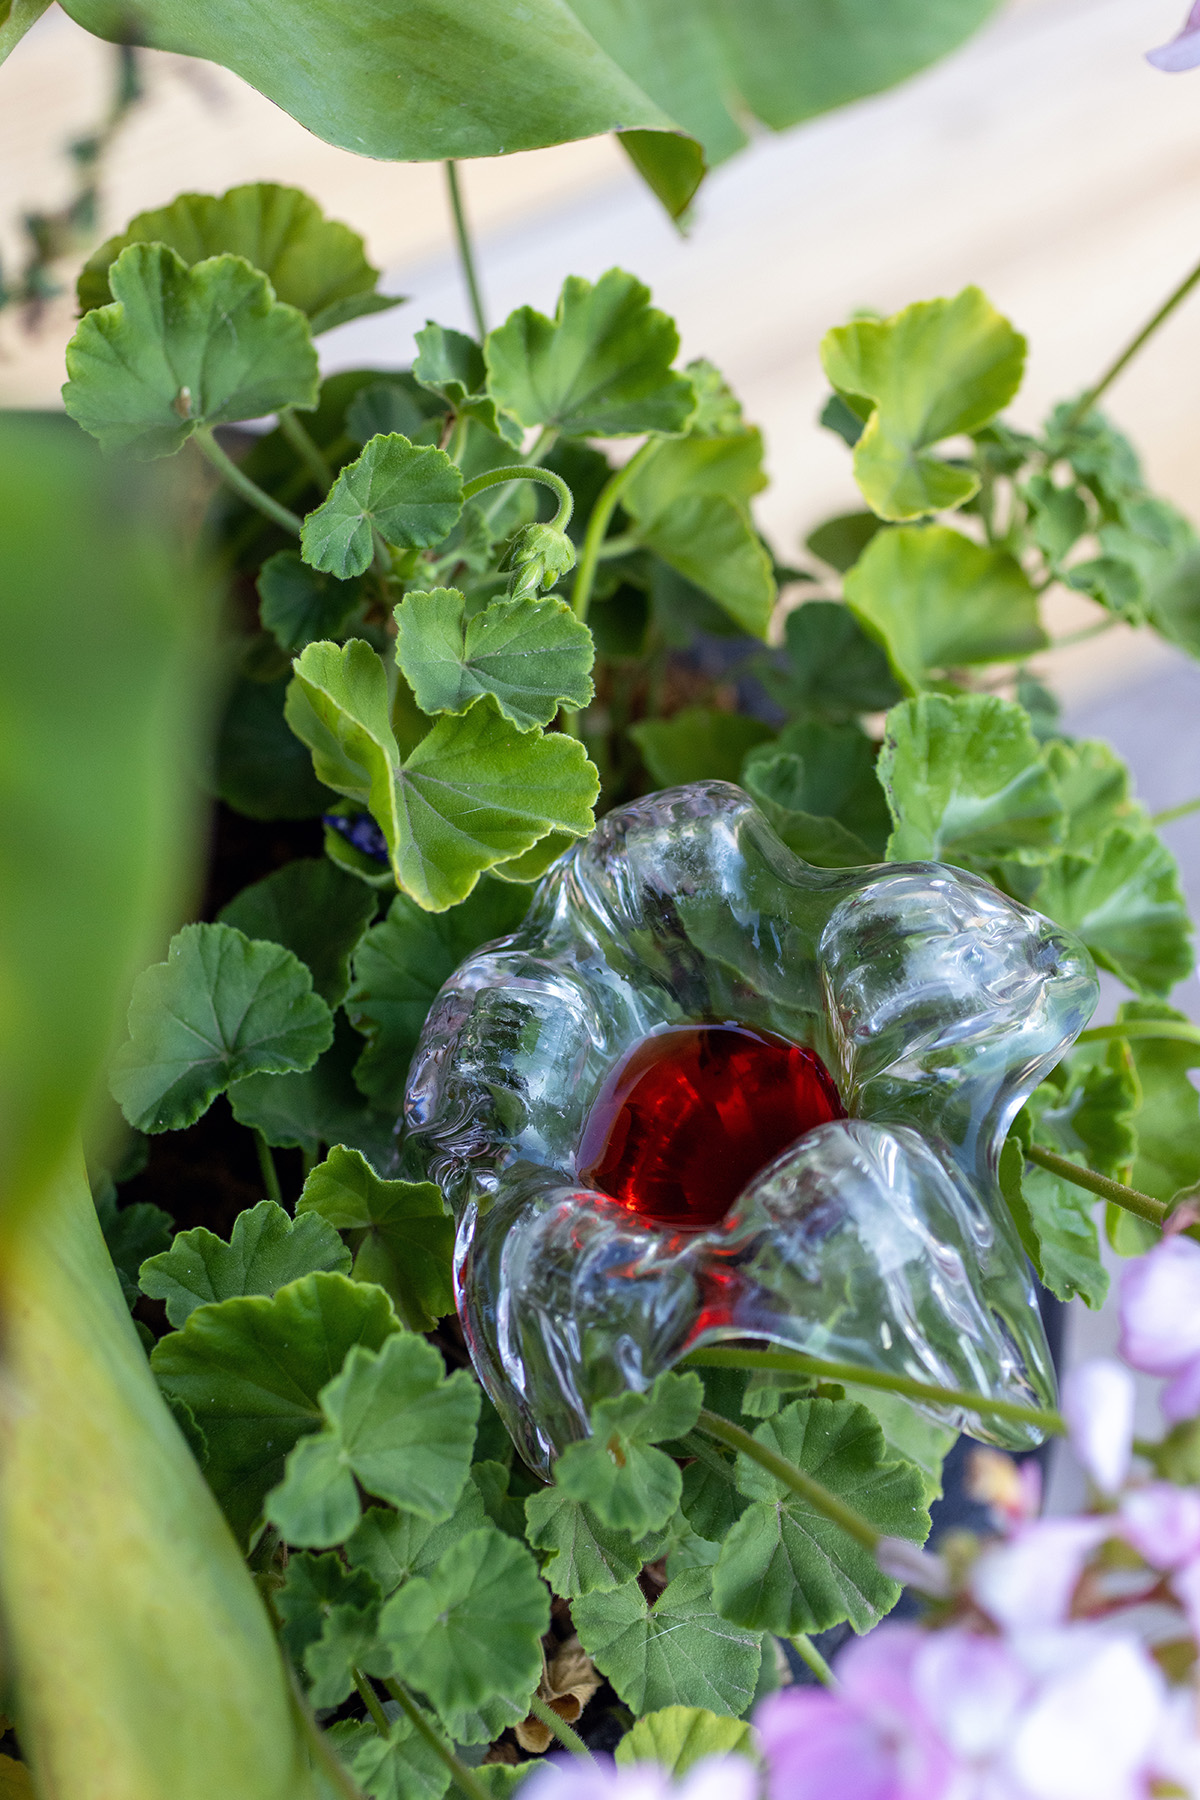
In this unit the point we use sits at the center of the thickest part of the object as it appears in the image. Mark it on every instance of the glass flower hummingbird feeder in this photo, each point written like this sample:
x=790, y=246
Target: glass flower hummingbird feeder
x=709, y=1092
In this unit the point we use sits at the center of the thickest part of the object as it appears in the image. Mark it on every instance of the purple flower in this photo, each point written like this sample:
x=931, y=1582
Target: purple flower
x=1183, y=52
x=1028, y=1582
x=1097, y=1404
x=1092, y=1728
x=1160, y=1322
x=715, y=1778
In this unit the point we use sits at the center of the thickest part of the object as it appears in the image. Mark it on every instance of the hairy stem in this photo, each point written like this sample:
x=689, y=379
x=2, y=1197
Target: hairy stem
x=466, y=253
x=816, y=1496
x=524, y=472
x=241, y=483
x=266, y=1163
x=323, y=1752
x=808, y=1653
x=1176, y=812
x=797, y=1362
x=370, y=1700
x=309, y=452
x=558, y=1725
x=463, y=1779
x=1085, y=403
x=1142, y=1206
x=598, y=524
x=1142, y=1028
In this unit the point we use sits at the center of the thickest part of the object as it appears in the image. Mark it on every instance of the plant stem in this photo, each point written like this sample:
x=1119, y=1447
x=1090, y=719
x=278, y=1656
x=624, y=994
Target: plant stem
x=1142, y=1206
x=1085, y=632
x=370, y=1700
x=462, y=1776
x=797, y=1361
x=808, y=1653
x=523, y=472
x=602, y=512
x=558, y=1725
x=310, y=453
x=1176, y=812
x=466, y=253
x=1085, y=403
x=322, y=1750
x=266, y=1163
x=241, y=483
x=1175, y=1029
x=818, y=1497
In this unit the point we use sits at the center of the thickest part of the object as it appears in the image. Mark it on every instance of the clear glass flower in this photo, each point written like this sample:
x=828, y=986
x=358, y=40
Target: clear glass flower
x=709, y=1092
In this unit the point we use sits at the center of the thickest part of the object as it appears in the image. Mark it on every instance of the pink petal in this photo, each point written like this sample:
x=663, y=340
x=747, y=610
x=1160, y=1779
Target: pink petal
x=1097, y=1403
x=1162, y=1522
x=971, y=1687
x=1180, y=1399
x=1185, y=1584
x=563, y=1778
x=1183, y=52
x=719, y=1778
x=1029, y=1582
x=1090, y=1732
x=1160, y=1308
x=869, y=1739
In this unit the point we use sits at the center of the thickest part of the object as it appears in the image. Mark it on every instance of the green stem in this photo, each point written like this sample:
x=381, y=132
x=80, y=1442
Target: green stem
x=1085, y=403
x=1176, y=812
x=1085, y=632
x=308, y=1161
x=558, y=1725
x=323, y=1751
x=1175, y=1029
x=523, y=472
x=796, y=1362
x=370, y=1700
x=602, y=512
x=808, y=1653
x=466, y=253
x=617, y=546
x=461, y=1775
x=818, y=1497
x=266, y=1163
x=543, y=444
x=241, y=483
x=306, y=449
x=1142, y=1206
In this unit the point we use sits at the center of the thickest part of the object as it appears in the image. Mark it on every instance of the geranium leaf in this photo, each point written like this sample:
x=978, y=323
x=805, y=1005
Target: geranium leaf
x=251, y=1369
x=328, y=1615
x=680, y=1652
x=262, y=770
x=697, y=744
x=266, y=1251
x=711, y=541
x=834, y=671
x=840, y=541
x=394, y=1546
x=786, y=1568
x=1056, y=1227
x=1167, y=1121
x=473, y=792
x=299, y=605
x=827, y=771
x=677, y=1736
x=1094, y=784
x=131, y=1233
x=313, y=263
x=936, y=369
x=400, y=1766
x=470, y=1632
x=402, y=962
x=629, y=1485
x=180, y=348
x=600, y=368
x=965, y=777
x=396, y=1425
x=451, y=365
x=403, y=1236
x=410, y=494
x=1125, y=901
x=222, y=1006
x=584, y=1556
x=936, y=600
x=533, y=656
x=717, y=463
x=313, y=910
x=322, y=1106
x=816, y=837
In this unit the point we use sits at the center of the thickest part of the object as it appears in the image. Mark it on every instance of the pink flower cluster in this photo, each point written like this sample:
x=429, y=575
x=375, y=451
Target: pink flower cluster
x=1044, y=1676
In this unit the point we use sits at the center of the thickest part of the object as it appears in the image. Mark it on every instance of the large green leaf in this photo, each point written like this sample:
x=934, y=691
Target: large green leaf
x=532, y=656
x=936, y=600
x=697, y=744
x=474, y=792
x=600, y=368
x=965, y=777
x=677, y=1736
x=681, y=1652
x=1168, y=1119
x=402, y=1234
x=936, y=369
x=181, y=348
x=16, y=17
x=324, y=1105
x=312, y=263
x=1126, y=903
x=395, y=1425
x=266, y=1251
x=629, y=1484
x=314, y=910
x=711, y=541
x=471, y=1631
x=393, y=1546
x=785, y=1567
x=582, y=1555
x=1055, y=1223
x=251, y=1370
x=411, y=494
x=221, y=1007
x=399, y=967
x=834, y=671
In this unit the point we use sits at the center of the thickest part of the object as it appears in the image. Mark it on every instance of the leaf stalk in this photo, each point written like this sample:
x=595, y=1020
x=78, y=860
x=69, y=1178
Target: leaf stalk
x=812, y=1492
x=602, y=512
x=1142, y=1206
x=241, y=483
x=566, y=1735
x=463, y=1779
x=466, y=252
x=526, y=472
x=1087, y=401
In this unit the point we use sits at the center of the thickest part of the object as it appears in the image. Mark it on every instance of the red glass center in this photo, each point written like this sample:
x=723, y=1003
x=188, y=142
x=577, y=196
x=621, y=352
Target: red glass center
x=691, y=1115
